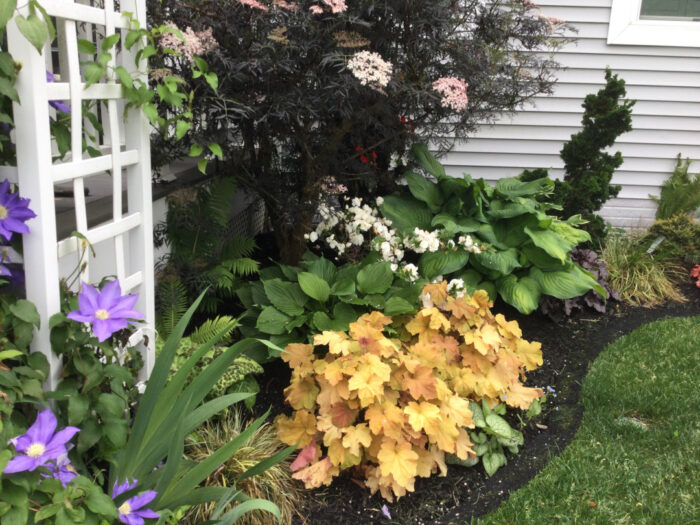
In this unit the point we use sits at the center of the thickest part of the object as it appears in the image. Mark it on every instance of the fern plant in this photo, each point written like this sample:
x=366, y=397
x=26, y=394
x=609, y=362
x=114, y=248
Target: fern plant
x=204, y=249
x=680, y=194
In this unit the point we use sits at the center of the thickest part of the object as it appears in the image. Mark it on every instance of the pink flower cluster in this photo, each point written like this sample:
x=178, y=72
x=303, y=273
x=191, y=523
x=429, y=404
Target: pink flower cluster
x=254, y=4
x=453, y=91
x=370, y=69
x=289, y=6
x=337, y=6
x=195, y=43
x=331, y=186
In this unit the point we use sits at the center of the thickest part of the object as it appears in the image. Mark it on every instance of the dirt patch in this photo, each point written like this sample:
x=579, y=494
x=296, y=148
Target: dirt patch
x=467, y=493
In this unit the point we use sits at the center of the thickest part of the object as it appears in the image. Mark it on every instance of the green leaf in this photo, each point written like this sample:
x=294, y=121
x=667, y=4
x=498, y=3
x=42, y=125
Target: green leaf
x=345, y=313
x=492, y=462
x=513, y=187
x=100, y=503
x=34, y=29
x=424, y=190
x=406, y=213
x=87, y=47
x=78, y=408
x=398, y=306
x=285, y=296
x=195, y=150
x=181, y=128
x=502, y=261
x=7, y=9
x=272, y=321
x=124, y=76
x=571, y=235
x=7, y=90
x=375, y=278
x=26, y=311
x=427, y=161
x=343, y=287
x=522, y=293
x=324, y=268
x=442, y=262
x=109, y=42
x=498, y=425
x=477, y=414
x=550, y=242
x=216, y=150
x=563, y=284
x=47, y=511
x=538, y=257
x=456, y=224
x=323, y=322
x=212, y=79
x=202, y=165
x=93, y=73
x=110, y=405
x=314, y=286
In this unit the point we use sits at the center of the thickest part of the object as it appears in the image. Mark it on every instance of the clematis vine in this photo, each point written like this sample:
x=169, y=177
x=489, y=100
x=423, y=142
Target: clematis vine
x=61, y=470
x=56, y=104
x=14, y=212
x=40, y=445
x=107, y=310
x=5, y=271
x=131, y=511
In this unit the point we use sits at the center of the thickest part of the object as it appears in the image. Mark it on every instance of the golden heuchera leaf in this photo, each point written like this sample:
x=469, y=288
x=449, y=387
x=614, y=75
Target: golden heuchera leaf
x=464, y=445
x=356, y=437
x=438, y=293
x=299, y=357
x=338, y=342
x=332, y=371
x=530, y=354
x=317, y=474
x=445, y=435
x=342, y=415
x=428, y=319
x=459, y=308
x=385, y=418
x=421, y=383
x=376, y=319
x=399, y=460
x=521, y=396
x=306, y=455
x=301, y=393
x=508, y=328
x=423, y=416
x=372, y=340
x=299, y=430
x=369, y=380
x=457, y=408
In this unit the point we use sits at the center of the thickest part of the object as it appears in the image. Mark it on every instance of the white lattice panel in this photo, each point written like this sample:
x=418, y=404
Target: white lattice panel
x=126, y=156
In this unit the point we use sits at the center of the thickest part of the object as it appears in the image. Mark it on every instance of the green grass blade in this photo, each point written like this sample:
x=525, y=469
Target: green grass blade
x=266, y=463
x=247, y=506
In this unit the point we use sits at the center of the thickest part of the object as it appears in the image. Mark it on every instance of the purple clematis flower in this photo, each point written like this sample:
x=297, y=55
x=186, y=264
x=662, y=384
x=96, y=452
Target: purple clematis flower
x=107, y=310
x=56, y=104
x=14, y=212
x=40, y=444
x=61, y=470
x=5, y=271
x=131, y=511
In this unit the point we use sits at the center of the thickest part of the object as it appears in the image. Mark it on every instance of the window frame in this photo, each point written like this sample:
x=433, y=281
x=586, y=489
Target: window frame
x=627, y=28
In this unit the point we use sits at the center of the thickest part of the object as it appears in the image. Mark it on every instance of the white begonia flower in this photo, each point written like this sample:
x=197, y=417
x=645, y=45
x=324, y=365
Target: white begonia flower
x=357, y=202
x=313, y=236
x=357, y=239
x=427, y=301
x=394, y=267
x=455, y=284
x=380, y=201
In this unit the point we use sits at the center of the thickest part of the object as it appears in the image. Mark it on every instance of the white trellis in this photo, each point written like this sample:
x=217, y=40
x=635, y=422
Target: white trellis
x=126, y=153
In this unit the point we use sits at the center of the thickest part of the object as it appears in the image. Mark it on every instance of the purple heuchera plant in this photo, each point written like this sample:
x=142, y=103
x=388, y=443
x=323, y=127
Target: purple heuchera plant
x=106, y=310
x=131, y=511
x=587, y=259
x=41, y=444
x=14, y=212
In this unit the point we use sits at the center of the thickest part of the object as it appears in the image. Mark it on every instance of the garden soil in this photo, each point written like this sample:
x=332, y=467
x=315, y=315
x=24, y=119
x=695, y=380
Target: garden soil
x=466, y=493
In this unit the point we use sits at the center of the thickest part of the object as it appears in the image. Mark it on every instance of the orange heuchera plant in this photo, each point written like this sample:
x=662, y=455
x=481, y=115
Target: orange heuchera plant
x=392, y=407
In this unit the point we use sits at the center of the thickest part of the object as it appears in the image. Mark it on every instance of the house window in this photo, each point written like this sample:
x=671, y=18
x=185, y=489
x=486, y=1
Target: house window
x=673, y=23
x=670, y=9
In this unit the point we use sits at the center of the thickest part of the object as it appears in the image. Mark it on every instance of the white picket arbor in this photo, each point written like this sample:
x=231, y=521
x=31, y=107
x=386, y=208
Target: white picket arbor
x=126, y=153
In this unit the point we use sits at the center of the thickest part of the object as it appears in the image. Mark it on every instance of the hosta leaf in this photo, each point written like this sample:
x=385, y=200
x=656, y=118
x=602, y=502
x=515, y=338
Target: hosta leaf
x=406, y=213
x=375, y=278
x=512, y=187
x=272, y=321
x=523, y=294
x=427, y=161
x=424, y=190
x=442, y=262
x=456, y=224
x=314, y=286
x=502, y=261
x=398, y=306
x=564, y=284
x=571, y=235
x=552, y=243
x=507, y=210
x=538, y=257
x=285, y=296
x=323, y=323
x=489, y=287
x=324, y=268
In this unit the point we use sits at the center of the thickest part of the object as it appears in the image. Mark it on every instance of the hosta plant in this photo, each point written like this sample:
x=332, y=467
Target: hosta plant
x=526, y=249
x=390, y=397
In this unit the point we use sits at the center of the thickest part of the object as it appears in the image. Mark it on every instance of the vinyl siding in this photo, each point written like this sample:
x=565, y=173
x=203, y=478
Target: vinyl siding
x=665, y=81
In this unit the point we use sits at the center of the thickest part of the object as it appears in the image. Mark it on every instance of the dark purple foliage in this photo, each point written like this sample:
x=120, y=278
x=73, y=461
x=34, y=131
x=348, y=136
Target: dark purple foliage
x=559, y=309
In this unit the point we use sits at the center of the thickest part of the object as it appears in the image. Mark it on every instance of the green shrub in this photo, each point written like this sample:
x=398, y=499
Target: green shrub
x=681, y=239
x=680, y=194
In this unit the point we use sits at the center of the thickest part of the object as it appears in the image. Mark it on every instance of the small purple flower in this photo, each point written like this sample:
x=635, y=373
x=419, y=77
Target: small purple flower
x=131, y=511
x=57, y=104
x=40, y=444
x=4, y=271
x=106, y=310
x=14, y=212
x=385, y=511
x=61, y=470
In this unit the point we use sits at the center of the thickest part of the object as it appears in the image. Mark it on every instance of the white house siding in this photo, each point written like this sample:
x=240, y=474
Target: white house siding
x=665, y=81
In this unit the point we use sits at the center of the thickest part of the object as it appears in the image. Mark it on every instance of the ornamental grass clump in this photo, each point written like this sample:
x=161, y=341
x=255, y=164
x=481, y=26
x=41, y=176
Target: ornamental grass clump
x=389, y=398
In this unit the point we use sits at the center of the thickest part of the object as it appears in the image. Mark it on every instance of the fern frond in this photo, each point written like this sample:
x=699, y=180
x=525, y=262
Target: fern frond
x=211, y=327
x=172, y=305
x=220, y=200
x=241, y=266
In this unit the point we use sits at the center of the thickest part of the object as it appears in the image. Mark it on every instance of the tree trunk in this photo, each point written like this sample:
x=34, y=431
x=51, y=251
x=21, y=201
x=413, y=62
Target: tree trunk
x=290, y=239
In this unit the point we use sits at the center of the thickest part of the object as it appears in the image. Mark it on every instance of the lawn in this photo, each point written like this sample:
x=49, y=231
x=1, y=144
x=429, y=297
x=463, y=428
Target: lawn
x=635, y=457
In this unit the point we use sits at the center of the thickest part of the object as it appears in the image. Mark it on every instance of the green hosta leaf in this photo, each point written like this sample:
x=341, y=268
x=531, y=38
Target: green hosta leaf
x=456, y=224
x=502, y=261
x=550, y=242
x=442, y=263
x=406, y=213
x=285, y=296
x=34, y=29
x=398, y=306
x=26, y=311
x=272, y=321
x=314, y=286
x=375, y=278
x=345, y=313
x=427, y=161
x=489, y=288
x=343, y=287
x=538, y=257
x=471, y=278
x=522, y=293
x=323, y=322
x=571, y=235
x=508, y=210
x=324, y=268
x=516, y=188
x=564, y=284
x=424, y=190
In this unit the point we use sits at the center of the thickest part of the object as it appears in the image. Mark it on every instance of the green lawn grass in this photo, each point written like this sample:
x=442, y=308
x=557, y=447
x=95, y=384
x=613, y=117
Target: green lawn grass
x=636, y=457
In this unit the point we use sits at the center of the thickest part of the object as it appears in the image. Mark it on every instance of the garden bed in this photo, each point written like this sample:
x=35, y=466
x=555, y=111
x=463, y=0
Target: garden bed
x=466, y=493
